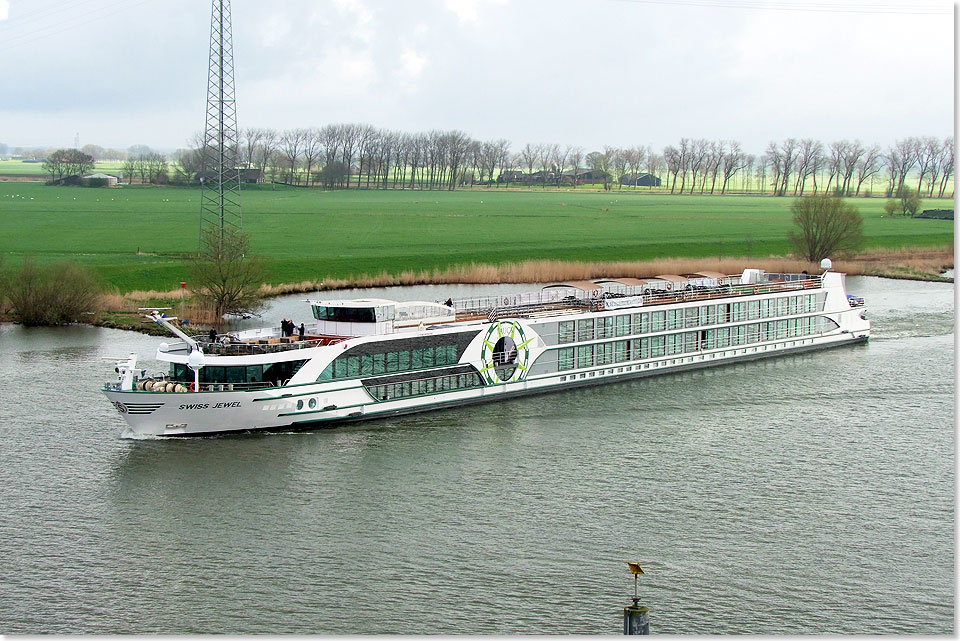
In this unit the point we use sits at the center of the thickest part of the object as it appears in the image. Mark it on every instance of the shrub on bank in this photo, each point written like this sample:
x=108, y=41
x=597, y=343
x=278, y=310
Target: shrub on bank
x=52, y=294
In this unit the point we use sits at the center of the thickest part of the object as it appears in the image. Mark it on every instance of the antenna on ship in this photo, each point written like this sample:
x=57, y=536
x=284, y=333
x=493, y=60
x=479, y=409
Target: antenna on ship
x=220, y=174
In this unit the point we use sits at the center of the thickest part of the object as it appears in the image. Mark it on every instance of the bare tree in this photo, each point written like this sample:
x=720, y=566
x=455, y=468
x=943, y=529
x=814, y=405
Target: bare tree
x=618, y=163
x=559, y=160
x=869, y=165
x=732, y=161
x=698, y=156
x=900, y=159
x=946, y=166
x=654, y=163
x=763, y=163
x=673, y=160
x=291, y=146
x=807, y=161
x=787, y=159
x=544, y=157
x=853, y=155
x=312, y=150
x=348, y=140
x=825, y=225
x=836, y=153
x=457, y=145
x=599, y=162
x=268, y=150
x=773, y=159
x=528, y=157
x=714, y=159
x=576, y=162
x=364, y=137
x=926, y=152
x=228, y=278
x=251, y=138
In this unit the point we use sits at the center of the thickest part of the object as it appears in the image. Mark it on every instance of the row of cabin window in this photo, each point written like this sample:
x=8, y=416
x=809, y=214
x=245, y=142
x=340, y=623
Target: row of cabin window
x=657, y=321
x=424, y=386
x=683, y=342
x=347, y=366
x=272, y=372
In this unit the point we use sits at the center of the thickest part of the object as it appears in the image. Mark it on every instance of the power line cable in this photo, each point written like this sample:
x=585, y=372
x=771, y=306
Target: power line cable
x=57, y=9
x=43, y=33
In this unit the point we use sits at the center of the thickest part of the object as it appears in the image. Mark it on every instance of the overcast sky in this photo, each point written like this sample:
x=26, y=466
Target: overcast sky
x=582, y=72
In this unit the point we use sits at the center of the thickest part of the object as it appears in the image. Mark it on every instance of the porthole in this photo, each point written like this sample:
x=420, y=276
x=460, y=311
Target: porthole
x=313, y=403
x=300, y=404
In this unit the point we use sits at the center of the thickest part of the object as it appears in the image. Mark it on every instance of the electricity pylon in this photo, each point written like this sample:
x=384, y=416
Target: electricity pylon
x=220, y=176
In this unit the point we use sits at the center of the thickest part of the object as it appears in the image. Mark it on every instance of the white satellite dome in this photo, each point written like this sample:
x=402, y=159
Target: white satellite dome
x=196, y=360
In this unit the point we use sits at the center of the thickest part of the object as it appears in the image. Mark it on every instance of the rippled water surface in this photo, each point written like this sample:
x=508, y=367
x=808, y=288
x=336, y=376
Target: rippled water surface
x=807, y=494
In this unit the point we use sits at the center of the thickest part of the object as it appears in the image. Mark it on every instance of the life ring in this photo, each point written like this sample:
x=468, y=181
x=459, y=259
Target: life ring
x=506, y=301
x=596, y=293
x=192, y=387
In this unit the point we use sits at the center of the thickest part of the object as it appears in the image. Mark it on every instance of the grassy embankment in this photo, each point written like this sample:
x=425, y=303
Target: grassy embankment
x=138, y=238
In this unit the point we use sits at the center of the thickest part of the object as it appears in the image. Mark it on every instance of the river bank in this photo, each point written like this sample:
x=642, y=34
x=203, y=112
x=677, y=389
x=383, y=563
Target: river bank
x=120, y=311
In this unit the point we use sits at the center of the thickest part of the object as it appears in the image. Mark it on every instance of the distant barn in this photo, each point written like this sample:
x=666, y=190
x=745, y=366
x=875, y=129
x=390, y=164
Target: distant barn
x=640, y=180
x=940, y=214
x=99, y=180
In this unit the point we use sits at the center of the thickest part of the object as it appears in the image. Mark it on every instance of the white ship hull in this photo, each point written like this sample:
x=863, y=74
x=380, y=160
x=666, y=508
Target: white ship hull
x=319, y=404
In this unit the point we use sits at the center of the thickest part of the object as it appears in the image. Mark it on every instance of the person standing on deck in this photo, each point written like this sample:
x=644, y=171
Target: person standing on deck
x=302, y=330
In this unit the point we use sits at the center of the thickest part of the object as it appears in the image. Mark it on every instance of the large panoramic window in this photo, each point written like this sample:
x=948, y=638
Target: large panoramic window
x=585, y=356
x=344, y=314
x=350, y=366
x=605, y=327
x=657, y=321
x=585, y=329
x=565, y=358
x=426, y=385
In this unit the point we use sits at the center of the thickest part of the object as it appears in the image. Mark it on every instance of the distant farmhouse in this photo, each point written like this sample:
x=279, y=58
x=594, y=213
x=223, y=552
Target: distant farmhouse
x=640, y=180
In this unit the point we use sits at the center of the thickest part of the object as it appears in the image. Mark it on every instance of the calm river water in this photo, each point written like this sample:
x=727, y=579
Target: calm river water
x=809, y=494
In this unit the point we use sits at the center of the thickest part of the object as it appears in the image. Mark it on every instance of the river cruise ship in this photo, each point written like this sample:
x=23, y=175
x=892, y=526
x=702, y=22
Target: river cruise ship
x=371, y=358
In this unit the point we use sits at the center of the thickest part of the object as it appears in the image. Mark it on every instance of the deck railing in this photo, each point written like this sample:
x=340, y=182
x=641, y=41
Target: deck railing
x=578, y=300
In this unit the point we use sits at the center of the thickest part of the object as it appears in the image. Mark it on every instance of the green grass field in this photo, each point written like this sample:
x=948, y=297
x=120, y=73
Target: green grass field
x=310, y=234
x=20, y=168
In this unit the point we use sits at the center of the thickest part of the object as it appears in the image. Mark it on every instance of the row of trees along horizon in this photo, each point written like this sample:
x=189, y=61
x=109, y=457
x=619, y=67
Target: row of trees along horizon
x=359, y=156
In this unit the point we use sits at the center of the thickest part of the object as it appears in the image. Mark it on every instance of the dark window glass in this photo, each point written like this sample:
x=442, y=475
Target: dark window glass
x=353, y=366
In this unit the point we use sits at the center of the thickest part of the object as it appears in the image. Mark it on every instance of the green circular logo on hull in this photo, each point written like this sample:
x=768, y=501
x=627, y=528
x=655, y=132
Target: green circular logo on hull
x=505, y=353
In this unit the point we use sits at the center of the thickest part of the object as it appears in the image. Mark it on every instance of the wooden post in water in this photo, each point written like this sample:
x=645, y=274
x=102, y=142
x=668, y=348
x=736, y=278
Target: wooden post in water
x=636, y=618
